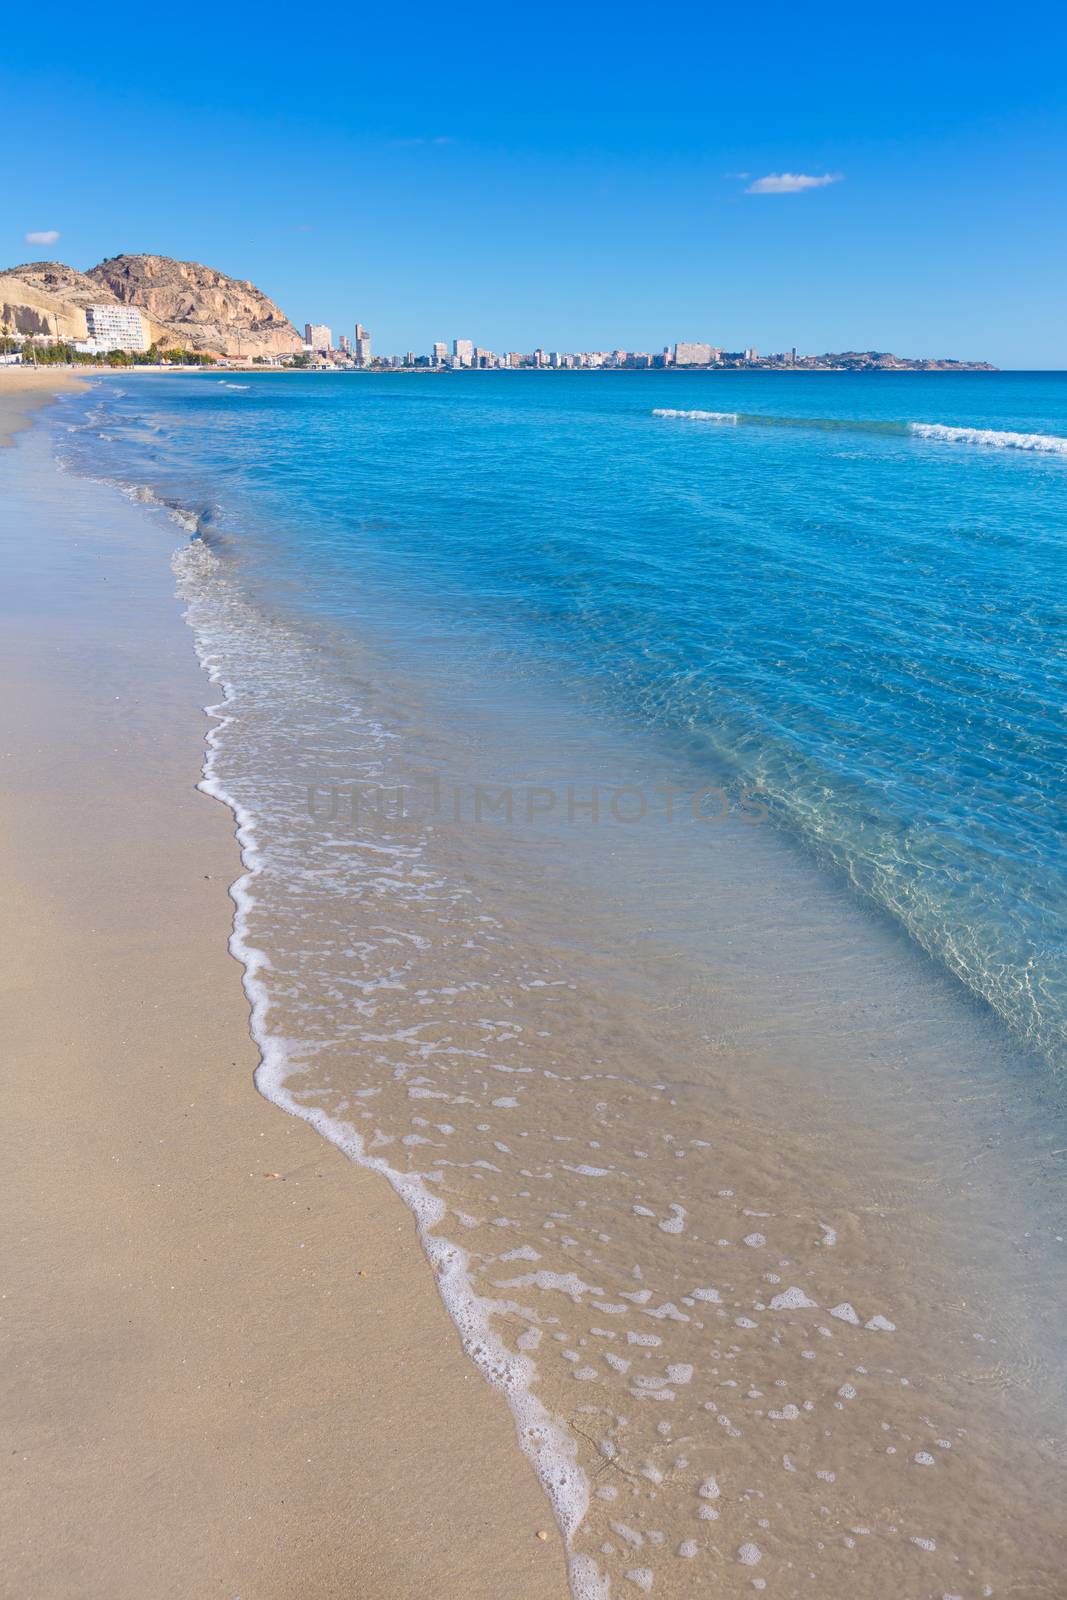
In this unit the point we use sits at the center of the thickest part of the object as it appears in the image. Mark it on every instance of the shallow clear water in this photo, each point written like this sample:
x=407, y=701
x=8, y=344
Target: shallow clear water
x=866, y=626
x=673, y=808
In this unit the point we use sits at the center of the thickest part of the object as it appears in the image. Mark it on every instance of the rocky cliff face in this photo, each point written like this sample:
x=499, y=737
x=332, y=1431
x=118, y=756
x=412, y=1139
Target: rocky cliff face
x=198, y=307
x=48, y=298
x=185, y=304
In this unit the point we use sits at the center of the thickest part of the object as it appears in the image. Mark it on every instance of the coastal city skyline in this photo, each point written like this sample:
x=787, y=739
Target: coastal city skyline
x=465, y=355
x=614, y=205
x=147, y=309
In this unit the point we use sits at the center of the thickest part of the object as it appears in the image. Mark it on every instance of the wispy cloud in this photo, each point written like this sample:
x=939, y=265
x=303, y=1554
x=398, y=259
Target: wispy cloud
x=792, y=182
x=45, y=236
x=406, y=144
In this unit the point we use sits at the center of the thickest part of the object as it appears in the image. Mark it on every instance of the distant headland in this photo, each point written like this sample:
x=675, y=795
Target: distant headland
x=143, y=308
x=136, y=305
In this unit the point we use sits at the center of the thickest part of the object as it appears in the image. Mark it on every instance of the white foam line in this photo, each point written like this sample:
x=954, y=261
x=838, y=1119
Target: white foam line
x=991, y=438
x=551, y=1451
x=697, y=416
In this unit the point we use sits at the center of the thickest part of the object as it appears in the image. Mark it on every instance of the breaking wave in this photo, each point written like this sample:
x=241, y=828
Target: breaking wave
x=990, y=438
x=701, y=416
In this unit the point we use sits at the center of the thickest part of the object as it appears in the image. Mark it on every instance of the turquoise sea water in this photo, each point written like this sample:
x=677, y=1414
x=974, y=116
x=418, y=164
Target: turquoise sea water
x=856, y=616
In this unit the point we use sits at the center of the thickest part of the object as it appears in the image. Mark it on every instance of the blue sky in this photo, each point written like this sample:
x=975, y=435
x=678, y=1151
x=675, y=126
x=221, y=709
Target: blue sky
x=567, y=176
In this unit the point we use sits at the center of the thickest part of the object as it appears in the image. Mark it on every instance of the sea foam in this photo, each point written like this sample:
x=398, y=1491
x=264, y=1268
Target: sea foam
x=991, y=438
x=698, y=416
x=550, y=1449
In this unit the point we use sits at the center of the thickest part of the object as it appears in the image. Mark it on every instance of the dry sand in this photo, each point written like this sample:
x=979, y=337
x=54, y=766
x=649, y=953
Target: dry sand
x=23, y=390
x=225, y=1369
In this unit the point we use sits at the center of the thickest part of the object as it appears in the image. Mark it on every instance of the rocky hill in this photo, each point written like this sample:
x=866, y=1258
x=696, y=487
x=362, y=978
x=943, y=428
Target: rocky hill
x=45, y=297
x=185, y=304
x=885, y=361
x=201, y=308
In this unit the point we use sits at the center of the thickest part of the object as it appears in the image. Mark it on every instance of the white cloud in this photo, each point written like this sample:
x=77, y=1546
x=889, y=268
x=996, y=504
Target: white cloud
x=791, y=182
x=45, y=236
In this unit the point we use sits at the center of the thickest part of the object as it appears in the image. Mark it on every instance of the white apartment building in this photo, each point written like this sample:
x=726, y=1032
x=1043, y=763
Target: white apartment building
x=463, y=352
x=362, y=346
x=318, y=336
x=692, y=355
x=115, y=328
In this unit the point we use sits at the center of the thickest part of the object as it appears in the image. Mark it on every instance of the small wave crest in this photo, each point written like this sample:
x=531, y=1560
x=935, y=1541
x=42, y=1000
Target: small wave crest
x=196, y=521
x=991, y=438
x=757, y=419
x=184, y=516
x=698, y=416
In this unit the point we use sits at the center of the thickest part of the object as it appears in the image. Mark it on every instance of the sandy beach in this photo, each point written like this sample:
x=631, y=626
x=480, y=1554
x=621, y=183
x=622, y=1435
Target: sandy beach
x=750, y=1213
x=24, y=390
x=226, y=1370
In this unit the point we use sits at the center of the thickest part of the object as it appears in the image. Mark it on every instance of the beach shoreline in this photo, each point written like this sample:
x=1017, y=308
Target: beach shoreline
x=227, y=1370
x=24, y=390
x=277, y=1328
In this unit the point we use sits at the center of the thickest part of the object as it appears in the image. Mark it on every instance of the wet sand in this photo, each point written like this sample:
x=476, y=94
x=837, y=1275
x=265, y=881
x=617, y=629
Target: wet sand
x=225, y=1366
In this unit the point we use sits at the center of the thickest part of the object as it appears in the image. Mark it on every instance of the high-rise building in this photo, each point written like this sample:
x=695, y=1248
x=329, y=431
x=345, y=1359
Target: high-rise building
x=463, y=352
x=318, y=336
x=692, y=355
x=345, y=344
x=440, y=354
x=116, y=328
x=361, y=349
